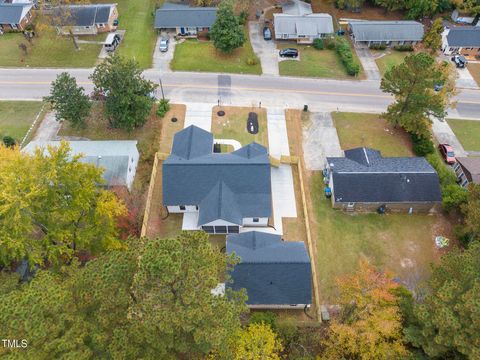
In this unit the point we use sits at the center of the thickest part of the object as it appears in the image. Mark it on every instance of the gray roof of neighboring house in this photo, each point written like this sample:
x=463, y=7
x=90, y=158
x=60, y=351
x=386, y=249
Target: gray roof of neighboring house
x=464, y=36
x=13, y=13
x=471, y=168
x=296, y=7
x=387, y=30
x=363, y=175
x=84, y=15
x=178, y=15
x=113, y=156
x=307, y=25
x=274, y=272
x=228, y=186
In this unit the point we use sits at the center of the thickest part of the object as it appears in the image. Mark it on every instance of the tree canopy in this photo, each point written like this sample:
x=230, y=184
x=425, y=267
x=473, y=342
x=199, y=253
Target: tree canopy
x=258, y=341
x=128, y=95
x=51, y=206
x=433, y=37
x=227, y=33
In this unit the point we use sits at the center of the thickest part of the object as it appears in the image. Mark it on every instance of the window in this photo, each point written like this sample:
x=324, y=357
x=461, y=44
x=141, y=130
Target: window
x=14, y=26
x=196, y=207
x=256, y=220
x=233, y=229
x=220, y=229
x=208, y=229
x=182, y=207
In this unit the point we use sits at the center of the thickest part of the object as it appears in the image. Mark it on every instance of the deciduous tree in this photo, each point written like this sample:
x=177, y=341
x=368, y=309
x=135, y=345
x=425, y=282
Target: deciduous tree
x=69, y=100
x=369, y=326
x=128, y=95
x=433, y=37
x=227, y=33
x=258, y=341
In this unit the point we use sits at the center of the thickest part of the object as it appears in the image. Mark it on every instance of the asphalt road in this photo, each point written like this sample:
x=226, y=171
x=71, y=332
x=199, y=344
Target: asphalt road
x=246, y=90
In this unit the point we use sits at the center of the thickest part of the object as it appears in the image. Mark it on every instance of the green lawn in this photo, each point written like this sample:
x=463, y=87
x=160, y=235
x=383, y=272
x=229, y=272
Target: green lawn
x=388, y=61
x=16, y=117
x=137, y=16
x=193, y=55
x=47, y=50
x=468, y=132
x=359, y=129
x=314, y=63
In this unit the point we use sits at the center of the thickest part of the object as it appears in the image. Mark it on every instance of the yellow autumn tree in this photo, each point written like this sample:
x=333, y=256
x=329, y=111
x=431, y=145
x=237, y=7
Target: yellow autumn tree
x=258, y=342
x=369, y=325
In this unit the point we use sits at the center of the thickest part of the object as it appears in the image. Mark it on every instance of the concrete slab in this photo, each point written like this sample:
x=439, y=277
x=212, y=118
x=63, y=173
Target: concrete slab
x=190, y=221
x=234, y=143
x=465, y=79
x=48, y=128
x=277, y=132
x=368, y=63
x=199, y=114
x=320, y=139
x=161, y=60
x=444, y=134
x=265, y=50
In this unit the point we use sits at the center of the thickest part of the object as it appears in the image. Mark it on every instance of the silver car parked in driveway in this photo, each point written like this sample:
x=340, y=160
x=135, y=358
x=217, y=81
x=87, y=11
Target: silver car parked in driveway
x=163, y=47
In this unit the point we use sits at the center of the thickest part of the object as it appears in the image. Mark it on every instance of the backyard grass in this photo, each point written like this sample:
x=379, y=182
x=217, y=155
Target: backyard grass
x=369, y=130
x=391, y=59
x=136, y=17
x=474, y=69
x=315, y=63
x=46, y=50
x=468, y=132
x=194, y=55
x=16, y=117
x=233, y=125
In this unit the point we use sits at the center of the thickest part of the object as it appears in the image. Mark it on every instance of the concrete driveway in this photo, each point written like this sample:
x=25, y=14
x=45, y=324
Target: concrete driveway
x=320, y=139
x=465, y=79
x=265, y=50
x=199, y=114
x=104, y=53
x=445, y=135
x=161, y=60
x=368, y=63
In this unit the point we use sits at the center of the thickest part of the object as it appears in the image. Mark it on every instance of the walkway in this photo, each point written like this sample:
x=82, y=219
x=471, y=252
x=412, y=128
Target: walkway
x=320, y=139
x=283, y=191
x=368, y=63
x=48, y=128
x=199, y=114
x=233, y=143
x=265, y=50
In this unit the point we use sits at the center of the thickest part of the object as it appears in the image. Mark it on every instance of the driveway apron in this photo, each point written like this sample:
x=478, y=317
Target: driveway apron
x=368, y=63
x=265, y=50
x=199, y=114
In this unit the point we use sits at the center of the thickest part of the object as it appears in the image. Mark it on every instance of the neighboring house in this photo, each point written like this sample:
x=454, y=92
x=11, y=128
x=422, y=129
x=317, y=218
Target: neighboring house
x=217, y=192
x=15, y=15
x=296, y=7
x=302, y=28
x=467, y=170
x=276, y=274
x=464, y=40
x=185, y=20
x=365, y=180
x=119, y=159
x=86, y=19
x=390, y=33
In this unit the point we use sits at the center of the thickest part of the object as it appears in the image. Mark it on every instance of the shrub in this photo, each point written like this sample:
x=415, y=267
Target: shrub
x=422, y=146
x=163, y=107
x=453, y=196
x=318, y=44
x=9, y=141
x=329, y=44
x=378, y=46
x=445, y=174
x=252, y=61
x=344, y=51
x=266, y=317
x=288, y=332
x=242, y=18
x=403, y=47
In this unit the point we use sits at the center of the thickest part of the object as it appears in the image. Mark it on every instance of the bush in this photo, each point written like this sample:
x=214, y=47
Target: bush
x=403, y=47
x=344, y=51
x=242, y=18
x=453, y=196
x=163, y=107
x=445, y=174
x=266, y=317
x=252, y=61
x=378, y=46
x=329, y=44
x=288, y=332
x=422, y=146
x=9, y=141
x=318, y=44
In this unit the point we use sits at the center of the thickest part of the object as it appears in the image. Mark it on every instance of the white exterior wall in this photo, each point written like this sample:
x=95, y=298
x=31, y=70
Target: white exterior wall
x=176, y=209
x=220, y=222
x=132, y=168
x=261, y=222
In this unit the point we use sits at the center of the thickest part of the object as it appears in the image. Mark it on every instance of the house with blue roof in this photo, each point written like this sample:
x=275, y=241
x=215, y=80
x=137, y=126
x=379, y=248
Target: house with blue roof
x=365, y=180
x=15, y=15
x=220, y=192
x=276, y=274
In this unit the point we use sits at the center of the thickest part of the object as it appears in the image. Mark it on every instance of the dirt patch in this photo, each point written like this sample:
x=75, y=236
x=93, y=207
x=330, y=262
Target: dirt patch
x=368, y=12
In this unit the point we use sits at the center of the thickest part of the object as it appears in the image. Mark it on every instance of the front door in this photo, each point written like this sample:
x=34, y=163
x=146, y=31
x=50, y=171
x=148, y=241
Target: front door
x=182, y=31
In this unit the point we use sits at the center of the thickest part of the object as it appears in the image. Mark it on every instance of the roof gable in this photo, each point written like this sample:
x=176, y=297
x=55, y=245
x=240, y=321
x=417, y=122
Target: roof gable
x=220, y=203
x=387, y=30
x=464, y=36
x=178, y=15
x=14, y=13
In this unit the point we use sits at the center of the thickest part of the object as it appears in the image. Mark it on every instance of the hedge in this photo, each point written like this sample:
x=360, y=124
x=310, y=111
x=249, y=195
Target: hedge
x=344, y=51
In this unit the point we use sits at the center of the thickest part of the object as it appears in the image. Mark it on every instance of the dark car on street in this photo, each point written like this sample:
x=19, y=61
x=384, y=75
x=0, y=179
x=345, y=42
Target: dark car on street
x=267, y=33
x=289, y=52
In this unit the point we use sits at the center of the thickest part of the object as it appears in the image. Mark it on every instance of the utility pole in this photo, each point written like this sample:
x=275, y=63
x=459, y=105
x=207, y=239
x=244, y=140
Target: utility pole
x=161, y=88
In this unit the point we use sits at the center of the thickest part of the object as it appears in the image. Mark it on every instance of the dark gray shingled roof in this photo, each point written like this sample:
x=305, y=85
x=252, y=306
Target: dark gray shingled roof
x=387, y=30
x=178, y=15
x=363, y=175
x=84, y=15
x=12, y=13
x=464, y=36
x=471, y=168
x=274, y=272
x=228, y=186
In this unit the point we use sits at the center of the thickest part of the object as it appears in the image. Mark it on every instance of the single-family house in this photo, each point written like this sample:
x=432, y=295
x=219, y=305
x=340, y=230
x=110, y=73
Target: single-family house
x=217, y=192
x=365, y=180
x=276, y=274
x=467, y=170
x=464, y=40
x=185, y=20
x=118, y=159
x=296, y=7
x=15, y=15
x=302, y=28
x=88, y=19
x=382, y=32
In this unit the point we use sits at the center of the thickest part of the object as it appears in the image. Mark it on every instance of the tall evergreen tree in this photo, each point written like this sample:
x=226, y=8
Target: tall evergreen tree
x=227, y=33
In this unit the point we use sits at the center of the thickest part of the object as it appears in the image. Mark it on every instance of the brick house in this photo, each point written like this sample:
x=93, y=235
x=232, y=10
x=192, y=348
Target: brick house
x=15, y=16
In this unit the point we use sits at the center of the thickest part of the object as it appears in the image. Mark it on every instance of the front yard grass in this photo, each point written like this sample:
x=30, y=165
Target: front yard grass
x=194, y=55
x=468, y=132
x=233, y=125
x=46, y=50
x=16, y=117
x=315, y=63
x=391, y=59
x=369, y=130
x=474, y=69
